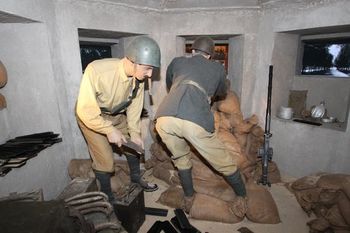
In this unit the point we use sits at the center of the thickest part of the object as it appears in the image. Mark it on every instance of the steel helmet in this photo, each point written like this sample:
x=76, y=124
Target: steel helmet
x=144, y=50
x=204, y=44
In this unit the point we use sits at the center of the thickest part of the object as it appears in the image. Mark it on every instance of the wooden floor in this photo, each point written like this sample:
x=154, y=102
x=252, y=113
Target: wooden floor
x=293, y=218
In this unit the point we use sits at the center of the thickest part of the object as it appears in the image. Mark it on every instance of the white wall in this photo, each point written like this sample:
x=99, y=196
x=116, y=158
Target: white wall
x=301, y=149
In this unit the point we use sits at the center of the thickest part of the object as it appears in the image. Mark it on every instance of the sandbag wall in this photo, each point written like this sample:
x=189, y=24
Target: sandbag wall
x=327, y=196
x=242, y=139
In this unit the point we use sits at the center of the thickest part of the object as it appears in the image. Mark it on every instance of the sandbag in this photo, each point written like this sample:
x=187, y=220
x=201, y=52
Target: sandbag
x=230, y=104
x=334, y=217
x=202, y=171
x=344, y=207
x=306, y=182
x=80, y=168
x=119, y=182
x=159, y=152
x=3, y=75
x=318, y=224
x=334, y=181
x=212, y=209
x=274, y=175
x=261, y=206
x=220, y=190
x=168, y=176
x=307, y=198
x=3, y=103
x=172, y=197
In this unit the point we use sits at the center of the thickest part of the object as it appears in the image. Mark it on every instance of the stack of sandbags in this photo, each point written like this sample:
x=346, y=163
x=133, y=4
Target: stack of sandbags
x=119, y=181
x=242, y=137
x=328, y=197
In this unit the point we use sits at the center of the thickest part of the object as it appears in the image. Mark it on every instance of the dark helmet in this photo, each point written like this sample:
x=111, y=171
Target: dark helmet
x=143, y=50
x=204, y=44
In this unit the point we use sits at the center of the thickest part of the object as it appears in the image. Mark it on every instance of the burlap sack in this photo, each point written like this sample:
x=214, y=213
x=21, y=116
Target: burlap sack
x=212, y=209
x=344, y=207
x=172, y=197
x=318, y=224
x=307, y=198
x=80, y=168
x=334, y=181
x=273, y=174
x=306, y=182
x=246, y=126
x=3, y=75
x=3, y=103
x=329, y=197
x=261, y=206
x=225, y=121
x=119, y=182
x=232, y=146
x=203, y=171
x=220, y=190
x=335, y=218
x=168, y=176
x=230, y=104
x=159, y=152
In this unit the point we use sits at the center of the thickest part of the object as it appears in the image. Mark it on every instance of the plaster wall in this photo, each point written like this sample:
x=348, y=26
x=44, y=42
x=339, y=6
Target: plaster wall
x=299, y=149
x=31, y=102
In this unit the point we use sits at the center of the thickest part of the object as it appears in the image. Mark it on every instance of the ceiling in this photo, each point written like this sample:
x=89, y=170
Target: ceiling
x=185, y=4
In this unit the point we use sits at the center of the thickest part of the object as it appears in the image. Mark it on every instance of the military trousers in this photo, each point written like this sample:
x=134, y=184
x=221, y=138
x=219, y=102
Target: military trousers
x=176, y=133
x=100, y=149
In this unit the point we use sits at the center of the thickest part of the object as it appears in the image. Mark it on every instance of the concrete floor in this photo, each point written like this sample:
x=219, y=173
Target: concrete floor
x=293, y=218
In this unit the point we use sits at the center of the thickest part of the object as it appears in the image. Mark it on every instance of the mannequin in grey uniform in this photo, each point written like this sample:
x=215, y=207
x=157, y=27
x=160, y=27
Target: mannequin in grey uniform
x=184, y=117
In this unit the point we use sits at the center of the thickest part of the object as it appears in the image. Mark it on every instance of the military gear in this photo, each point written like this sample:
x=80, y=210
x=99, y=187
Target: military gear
x=204, y=44
x=144, y=50
x=105, y=184
x=236, y=182
x=185, y=176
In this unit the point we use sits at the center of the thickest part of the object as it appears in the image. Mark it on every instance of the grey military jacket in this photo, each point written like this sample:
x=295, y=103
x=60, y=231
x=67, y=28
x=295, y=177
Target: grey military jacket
x=190, y=81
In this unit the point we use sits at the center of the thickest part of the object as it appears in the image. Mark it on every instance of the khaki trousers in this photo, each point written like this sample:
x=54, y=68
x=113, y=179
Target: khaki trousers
x=100, y=149
x=176, y=132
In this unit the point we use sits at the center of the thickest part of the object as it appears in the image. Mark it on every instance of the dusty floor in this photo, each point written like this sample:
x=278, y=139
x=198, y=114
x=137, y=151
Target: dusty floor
x=293, y=217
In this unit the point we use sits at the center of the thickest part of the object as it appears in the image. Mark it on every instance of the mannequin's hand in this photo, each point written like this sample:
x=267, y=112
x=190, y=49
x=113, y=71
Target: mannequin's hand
x=138, y=141
x=116, y=137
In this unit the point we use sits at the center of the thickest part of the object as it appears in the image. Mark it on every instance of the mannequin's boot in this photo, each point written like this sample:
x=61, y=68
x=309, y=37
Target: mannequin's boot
x=135, y=174
x=187, y=186
x=105, y=183
x=238, y=186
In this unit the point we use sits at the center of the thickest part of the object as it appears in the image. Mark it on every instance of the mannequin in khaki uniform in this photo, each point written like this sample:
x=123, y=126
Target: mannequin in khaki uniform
x=109, y=108
x=184, y=117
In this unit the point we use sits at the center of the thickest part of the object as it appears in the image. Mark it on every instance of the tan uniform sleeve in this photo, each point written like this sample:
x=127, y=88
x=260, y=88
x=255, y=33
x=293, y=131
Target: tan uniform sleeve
x=88, y=109
x=134, y=113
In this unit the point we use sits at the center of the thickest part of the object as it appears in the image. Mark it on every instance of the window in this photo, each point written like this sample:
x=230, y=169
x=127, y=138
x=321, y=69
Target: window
x=330, y=57
x=90, y=53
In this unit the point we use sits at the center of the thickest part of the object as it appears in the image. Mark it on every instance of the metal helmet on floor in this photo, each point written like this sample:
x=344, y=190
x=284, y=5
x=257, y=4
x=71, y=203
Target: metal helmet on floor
x=144, y=50
x=204, y=44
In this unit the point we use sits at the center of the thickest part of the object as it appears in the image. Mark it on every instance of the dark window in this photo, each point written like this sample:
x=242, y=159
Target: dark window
x=90, y=53
x=326, y=57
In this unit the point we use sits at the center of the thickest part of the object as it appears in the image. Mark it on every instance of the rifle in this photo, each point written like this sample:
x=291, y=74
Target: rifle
x=266, y=151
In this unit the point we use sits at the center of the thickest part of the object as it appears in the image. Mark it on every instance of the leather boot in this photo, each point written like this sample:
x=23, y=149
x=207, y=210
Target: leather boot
x=236, y=182
x=105, y=182
x=135, y=174
x=240, y=203
x=187, y=186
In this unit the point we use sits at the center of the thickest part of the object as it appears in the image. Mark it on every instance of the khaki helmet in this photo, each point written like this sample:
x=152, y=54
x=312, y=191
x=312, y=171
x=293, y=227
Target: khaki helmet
x=144, y=50
x=204, y=44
